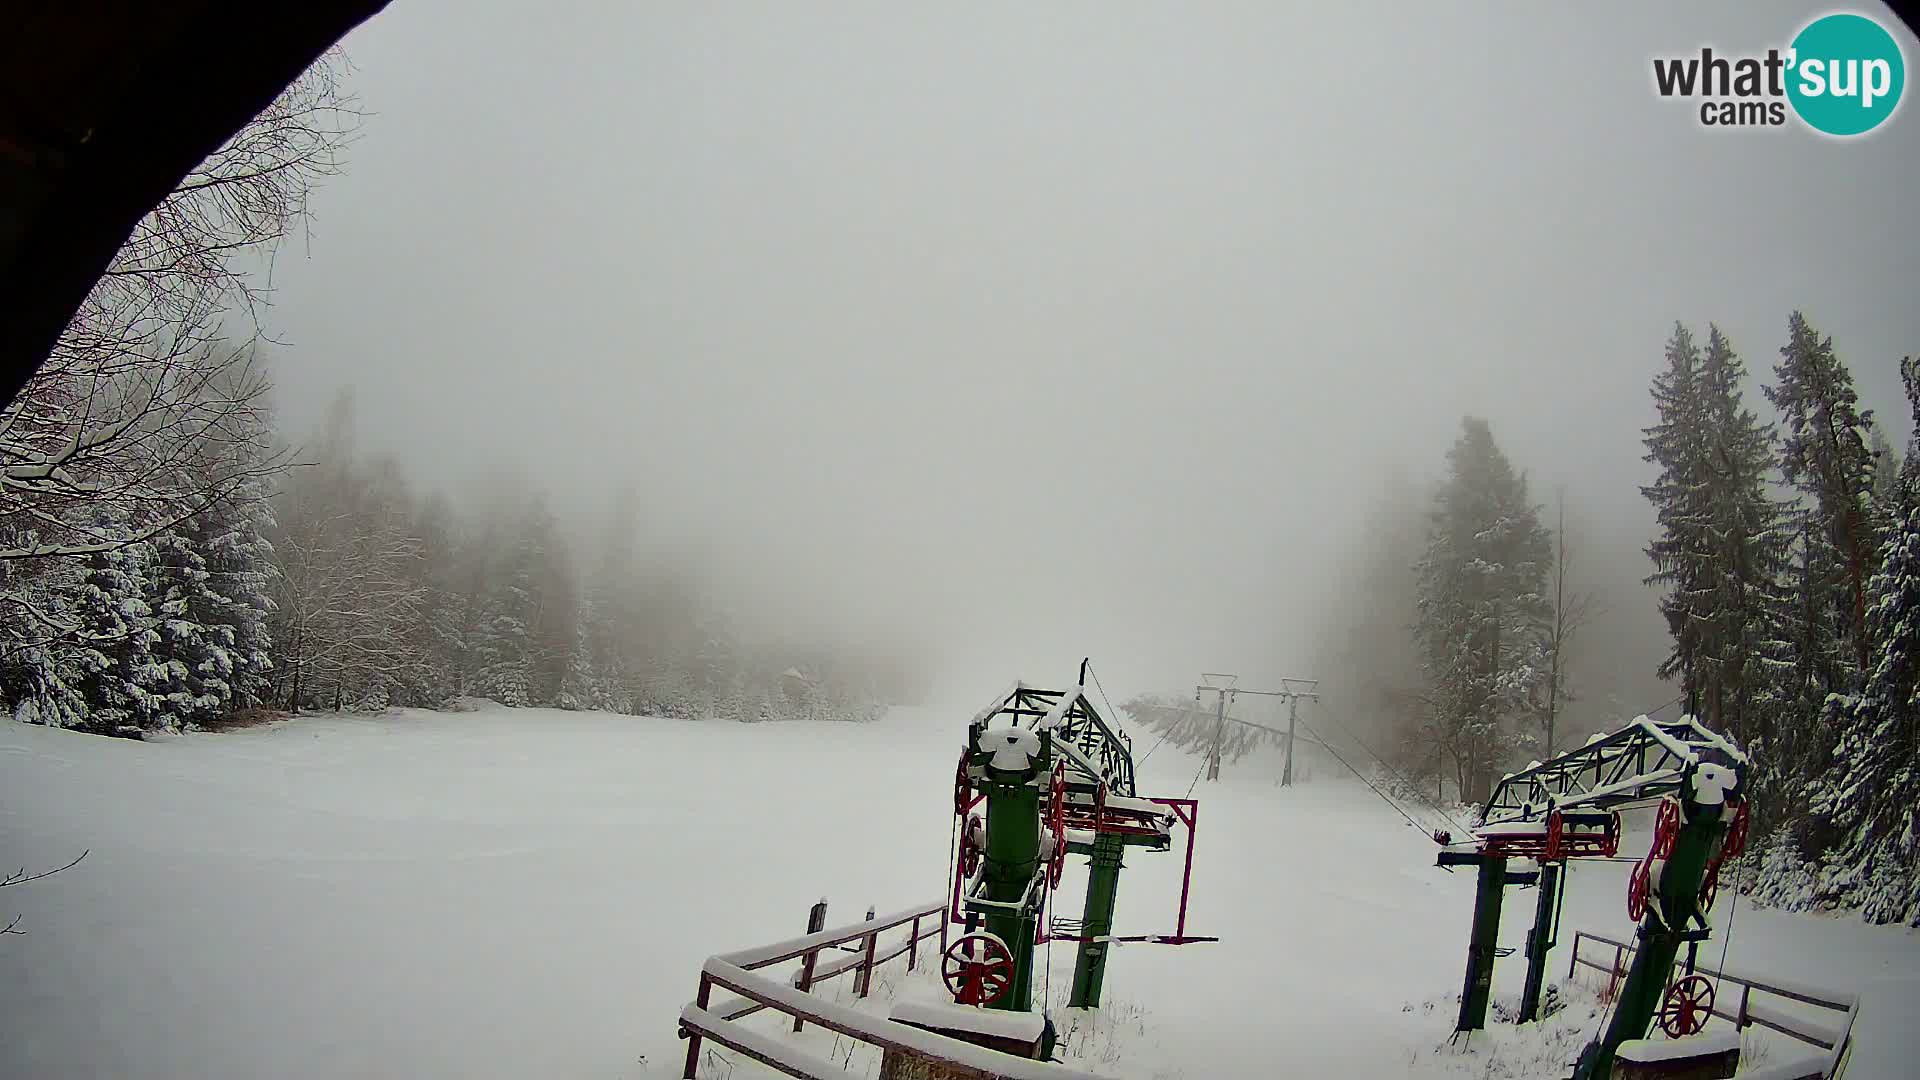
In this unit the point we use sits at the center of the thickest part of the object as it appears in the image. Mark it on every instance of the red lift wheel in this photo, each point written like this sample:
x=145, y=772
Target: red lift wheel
x=962, y=793
x=1688, y=1004
x=1638, y=882
x=1736, y=841
x=1731, y=846
x=1612, y=843
x=1710, y=885
x=1665, y=828
x=982, y=979
x=969, y=851
x=1553, y=837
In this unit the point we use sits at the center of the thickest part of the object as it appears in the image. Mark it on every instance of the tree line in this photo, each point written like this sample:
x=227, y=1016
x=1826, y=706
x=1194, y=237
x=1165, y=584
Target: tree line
x=1786, y=561
x=1788, y=555
x=319, y=579
x=381, y=596
x=169, y=560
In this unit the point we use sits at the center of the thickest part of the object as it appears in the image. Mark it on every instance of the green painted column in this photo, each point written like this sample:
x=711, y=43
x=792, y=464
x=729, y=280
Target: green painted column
x=1696, y=843
x=1478, y=988
x=1012, y=855
x=1103, y=885
x=1539, y=942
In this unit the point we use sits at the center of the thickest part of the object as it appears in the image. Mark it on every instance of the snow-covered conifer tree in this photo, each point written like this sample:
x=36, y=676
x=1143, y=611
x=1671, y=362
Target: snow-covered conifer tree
x=192, y=647
x=1720, y=550
x=1482, y=605
x=1871, y=794
x=1826, y=454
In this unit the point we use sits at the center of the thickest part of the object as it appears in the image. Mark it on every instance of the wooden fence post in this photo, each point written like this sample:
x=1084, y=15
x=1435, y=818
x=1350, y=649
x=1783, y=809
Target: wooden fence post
x=866, y=966
x=693, y=1037
x=913, y=944
x=1575, y=962
x=864, y=974
x=816, y=922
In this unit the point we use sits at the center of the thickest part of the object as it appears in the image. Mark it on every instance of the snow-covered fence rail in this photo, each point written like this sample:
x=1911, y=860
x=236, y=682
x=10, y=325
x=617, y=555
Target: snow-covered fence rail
x=1832, y=1034
x=741, y=973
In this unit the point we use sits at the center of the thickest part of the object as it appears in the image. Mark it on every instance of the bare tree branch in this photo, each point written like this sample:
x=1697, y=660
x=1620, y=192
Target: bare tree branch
x=21, y=877
x=102, y=447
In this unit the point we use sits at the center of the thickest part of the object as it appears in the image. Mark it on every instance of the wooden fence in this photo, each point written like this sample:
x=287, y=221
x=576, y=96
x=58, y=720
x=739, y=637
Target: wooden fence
x=861, y=951
x=1833, y=1039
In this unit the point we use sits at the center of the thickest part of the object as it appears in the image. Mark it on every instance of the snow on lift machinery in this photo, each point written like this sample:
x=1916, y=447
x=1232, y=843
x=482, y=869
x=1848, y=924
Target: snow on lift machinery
x=1569, y=808
x=1055, y=779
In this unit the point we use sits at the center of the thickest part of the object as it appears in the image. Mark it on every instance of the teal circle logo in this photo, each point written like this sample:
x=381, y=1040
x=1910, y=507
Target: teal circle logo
x=1846, y=74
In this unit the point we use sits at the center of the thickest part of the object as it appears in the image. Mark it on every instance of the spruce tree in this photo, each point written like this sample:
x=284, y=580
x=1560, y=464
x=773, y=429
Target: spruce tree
x=1871, y=796
x=553, y=632
x=1682, y=549
x=578, y=685
x=1886, y=481
x=1720, y=548
x=40, y=675
x=525, y=631
x=118, y=675
x=1819, y=662
x=442, y=623
x=503, y=668
x=1482, y=604
x=193, y=649
x=231, y=539
x=1747, y=532
x=1825, y=453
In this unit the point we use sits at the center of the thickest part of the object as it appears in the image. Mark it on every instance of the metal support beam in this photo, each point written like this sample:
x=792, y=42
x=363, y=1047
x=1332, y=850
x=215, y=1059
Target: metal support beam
x=1478, y=987
x=1289, y=692
x=1293, y=717
x=1014, y=774
x=1540, y=940
x=1673, y=912
x=1219, y=730
x=1103, y=885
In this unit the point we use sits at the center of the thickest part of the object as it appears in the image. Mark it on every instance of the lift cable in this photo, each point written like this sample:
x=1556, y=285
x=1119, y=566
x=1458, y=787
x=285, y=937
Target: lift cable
x=1363, y=779
x=1111, y=711
x=1726, y=940
x=1156, y=746
x=1437, y=808
x=1115, y=713
x=1196, y=777
x=1396, y=774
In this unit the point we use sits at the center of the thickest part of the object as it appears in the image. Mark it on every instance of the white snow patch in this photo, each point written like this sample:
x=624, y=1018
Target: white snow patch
x=997, y=1023
x=512, y=893
x=1707, y=1042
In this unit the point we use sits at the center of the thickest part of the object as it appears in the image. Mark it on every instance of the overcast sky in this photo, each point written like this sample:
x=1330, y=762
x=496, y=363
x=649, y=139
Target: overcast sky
x=1068, y=328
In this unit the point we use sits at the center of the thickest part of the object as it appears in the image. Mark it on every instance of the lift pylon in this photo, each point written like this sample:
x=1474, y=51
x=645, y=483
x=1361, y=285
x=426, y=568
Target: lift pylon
x=1568, y=808
x=1055, y=779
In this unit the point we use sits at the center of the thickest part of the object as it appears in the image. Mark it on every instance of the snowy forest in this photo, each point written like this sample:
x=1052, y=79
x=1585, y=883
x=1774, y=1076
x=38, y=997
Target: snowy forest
x=170, y=559
x=262, y=576
x=1786, y=565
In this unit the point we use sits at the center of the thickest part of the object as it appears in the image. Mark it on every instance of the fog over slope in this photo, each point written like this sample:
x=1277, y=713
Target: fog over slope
x=1093, y=330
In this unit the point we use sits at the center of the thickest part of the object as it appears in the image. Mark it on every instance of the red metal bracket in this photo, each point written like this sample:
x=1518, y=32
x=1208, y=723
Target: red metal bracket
x=1188, y=811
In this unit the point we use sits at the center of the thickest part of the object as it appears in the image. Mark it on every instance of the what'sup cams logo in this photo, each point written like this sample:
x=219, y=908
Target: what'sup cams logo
x=1842, y=75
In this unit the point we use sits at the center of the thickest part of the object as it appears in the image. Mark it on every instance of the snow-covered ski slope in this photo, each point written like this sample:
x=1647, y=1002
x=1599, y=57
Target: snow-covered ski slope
x=525, y=893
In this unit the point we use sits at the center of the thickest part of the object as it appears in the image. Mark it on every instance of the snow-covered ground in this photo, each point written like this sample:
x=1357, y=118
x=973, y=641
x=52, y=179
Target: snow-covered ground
x=525, y=893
